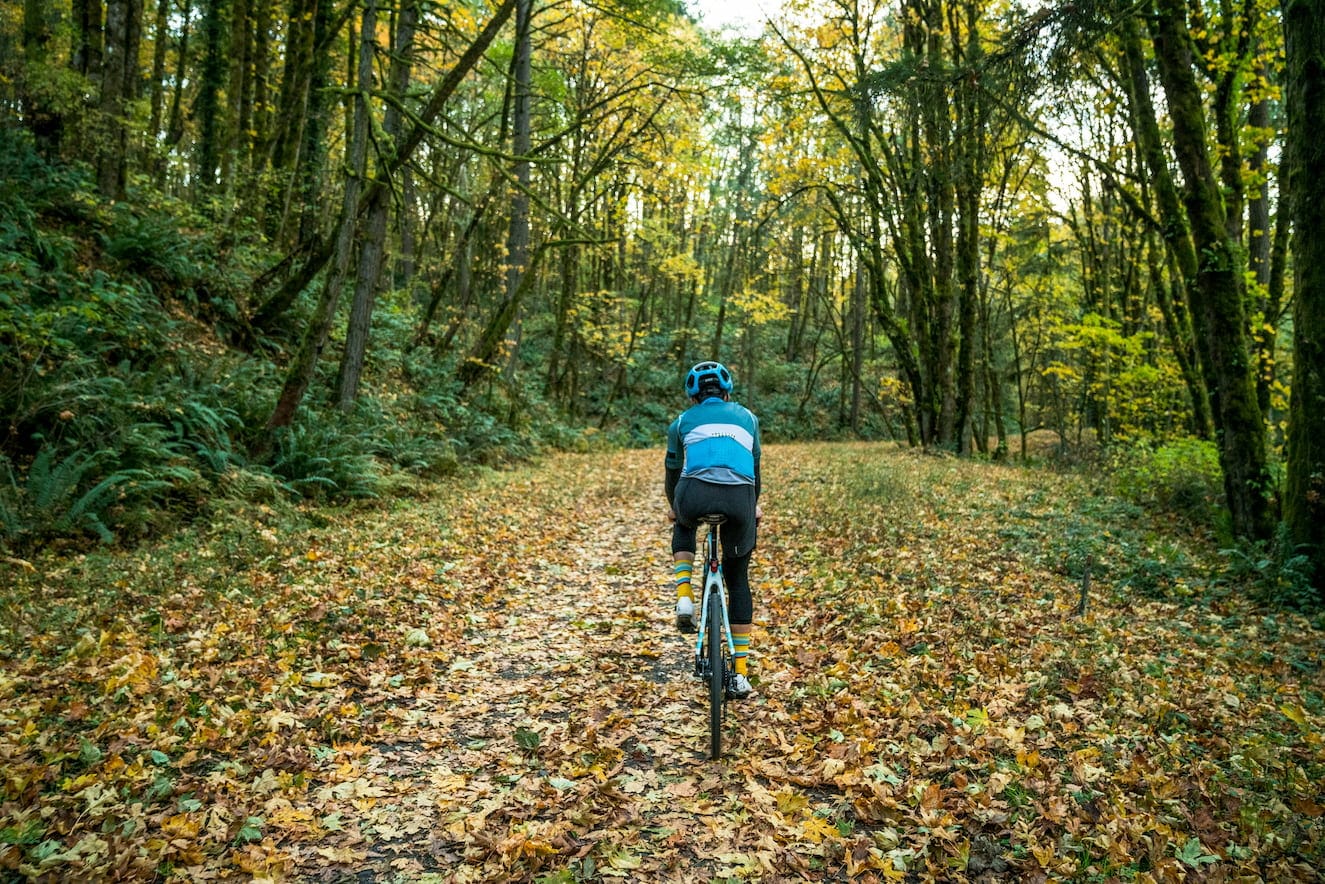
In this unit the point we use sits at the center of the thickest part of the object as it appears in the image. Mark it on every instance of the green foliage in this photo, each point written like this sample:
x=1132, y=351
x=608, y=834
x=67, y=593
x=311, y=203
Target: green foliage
x=1136, y=394
x=314, y=459
x=73, y=495
x=1181, y=479
x=149, y=245
x=1276, y=573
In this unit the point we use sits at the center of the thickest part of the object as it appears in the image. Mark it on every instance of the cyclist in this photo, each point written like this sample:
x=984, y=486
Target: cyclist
x=712, y=466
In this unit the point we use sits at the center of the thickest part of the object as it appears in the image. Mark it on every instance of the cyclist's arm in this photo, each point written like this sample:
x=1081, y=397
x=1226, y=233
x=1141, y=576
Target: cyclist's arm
x=674, y=461
x=759, y=483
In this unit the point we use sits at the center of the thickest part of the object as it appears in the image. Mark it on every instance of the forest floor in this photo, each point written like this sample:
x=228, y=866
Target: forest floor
x=484, y=684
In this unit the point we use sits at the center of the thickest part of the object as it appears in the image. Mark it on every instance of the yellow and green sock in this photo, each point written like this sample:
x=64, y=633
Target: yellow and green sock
x=742, y=648
x=681, y=571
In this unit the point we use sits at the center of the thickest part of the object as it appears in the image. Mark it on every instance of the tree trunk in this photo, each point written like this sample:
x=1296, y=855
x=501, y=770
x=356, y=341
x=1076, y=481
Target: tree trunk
x=1304, y=97
x=211, y=125
x=481, y=357
x=300, y=373
x=280, y=145
x=372, y=247
x=1273, y=310
x=970, y=166
x=237, y=85
x=175, y=124
x=406, y=264
x=1217, y=290
x=89, y=38
x=160, y=40
x=119, y=81
x=260, y=92
x=857, y=320
x=43, y=120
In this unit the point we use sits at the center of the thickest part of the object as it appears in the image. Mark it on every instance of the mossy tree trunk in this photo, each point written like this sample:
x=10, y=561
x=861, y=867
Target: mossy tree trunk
x=119, y=86
x=372, y=241
x=1217, y=291
x=1304, y=93
x=300, y=373
x=208, y=110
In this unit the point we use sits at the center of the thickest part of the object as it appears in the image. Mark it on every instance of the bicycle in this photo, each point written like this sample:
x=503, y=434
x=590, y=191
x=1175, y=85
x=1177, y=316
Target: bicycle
x=713, y=656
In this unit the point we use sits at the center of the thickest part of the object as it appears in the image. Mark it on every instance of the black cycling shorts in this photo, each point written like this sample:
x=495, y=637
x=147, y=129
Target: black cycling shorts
x=695, y=498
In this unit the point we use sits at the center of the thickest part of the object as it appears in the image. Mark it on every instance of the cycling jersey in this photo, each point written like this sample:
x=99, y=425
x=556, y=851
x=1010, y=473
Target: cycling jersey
x=715, y=441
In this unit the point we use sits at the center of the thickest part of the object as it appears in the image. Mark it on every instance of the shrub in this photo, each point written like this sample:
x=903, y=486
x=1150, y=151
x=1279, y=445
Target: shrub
x=313, y=458
x=150, y=246
x=70, y=495
x=1276, y=572
x=1181, y=479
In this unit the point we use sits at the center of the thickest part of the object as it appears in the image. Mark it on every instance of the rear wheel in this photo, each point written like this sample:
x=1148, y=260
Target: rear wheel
x=717, y=675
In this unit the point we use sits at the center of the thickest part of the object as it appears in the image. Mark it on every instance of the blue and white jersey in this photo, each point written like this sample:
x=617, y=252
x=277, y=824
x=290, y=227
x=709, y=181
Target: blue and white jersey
x=715, y=441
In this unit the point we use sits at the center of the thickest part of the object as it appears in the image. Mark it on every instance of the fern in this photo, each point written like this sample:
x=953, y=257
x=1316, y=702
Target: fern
x=311, y=460
x=205, y=431
x=49, y=503
x=49, y=482
x=11, y=523
x=65, y=496
x=87, y=511
x=151, y=246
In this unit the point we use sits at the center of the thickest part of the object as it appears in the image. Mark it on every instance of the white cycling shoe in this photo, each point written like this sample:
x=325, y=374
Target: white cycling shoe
x=685, y=614
x=740, y=687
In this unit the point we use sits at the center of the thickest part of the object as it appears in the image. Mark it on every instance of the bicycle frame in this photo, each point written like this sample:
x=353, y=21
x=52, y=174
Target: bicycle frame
x=712, y=584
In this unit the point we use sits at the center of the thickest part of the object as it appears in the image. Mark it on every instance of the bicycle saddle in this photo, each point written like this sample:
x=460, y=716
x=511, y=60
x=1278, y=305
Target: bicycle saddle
x=713, y=519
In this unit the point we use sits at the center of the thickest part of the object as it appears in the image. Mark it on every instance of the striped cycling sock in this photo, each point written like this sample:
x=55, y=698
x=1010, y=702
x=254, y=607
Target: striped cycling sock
x=742, y=643
x=681, y=571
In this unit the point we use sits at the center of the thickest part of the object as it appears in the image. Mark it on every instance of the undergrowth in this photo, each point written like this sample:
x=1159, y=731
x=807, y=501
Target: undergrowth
x=126, y=408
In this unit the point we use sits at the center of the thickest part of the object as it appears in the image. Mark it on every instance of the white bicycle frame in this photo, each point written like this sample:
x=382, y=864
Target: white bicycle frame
x=713, y=584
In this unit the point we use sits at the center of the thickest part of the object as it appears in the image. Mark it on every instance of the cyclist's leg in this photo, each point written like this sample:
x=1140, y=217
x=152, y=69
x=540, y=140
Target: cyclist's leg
x=739, y=538
x=740, y=607
x=683, y=561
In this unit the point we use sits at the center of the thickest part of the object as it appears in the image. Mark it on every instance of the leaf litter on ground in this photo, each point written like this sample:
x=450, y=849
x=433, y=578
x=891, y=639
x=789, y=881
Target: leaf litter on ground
x=483, y=684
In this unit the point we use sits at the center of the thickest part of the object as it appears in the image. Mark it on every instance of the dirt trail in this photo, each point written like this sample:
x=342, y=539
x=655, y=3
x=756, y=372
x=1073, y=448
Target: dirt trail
x=566, y=731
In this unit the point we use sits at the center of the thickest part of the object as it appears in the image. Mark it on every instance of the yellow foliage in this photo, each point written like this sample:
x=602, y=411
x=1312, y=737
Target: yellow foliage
x=760, y=307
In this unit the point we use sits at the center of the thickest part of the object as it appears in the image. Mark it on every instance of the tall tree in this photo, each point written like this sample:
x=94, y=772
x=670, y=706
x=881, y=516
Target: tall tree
x=119, y=85
x=373, y=237
x=1217, y=291
x=485, y=349
x=43, y=118
x=1172, y=223
x=300, y=372
x=89, y=37
x=210, y=113
x=1304, y=96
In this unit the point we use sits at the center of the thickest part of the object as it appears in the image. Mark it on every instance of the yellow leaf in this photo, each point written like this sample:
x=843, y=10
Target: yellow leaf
x=1295, y=714
x=321, y=679
x=790, y=802
x=815, y=829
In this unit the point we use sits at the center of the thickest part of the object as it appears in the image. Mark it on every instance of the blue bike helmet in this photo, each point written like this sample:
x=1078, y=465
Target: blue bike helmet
x=707, y=375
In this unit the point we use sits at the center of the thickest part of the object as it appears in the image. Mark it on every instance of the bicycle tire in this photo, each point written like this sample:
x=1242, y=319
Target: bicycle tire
x=717, y=676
